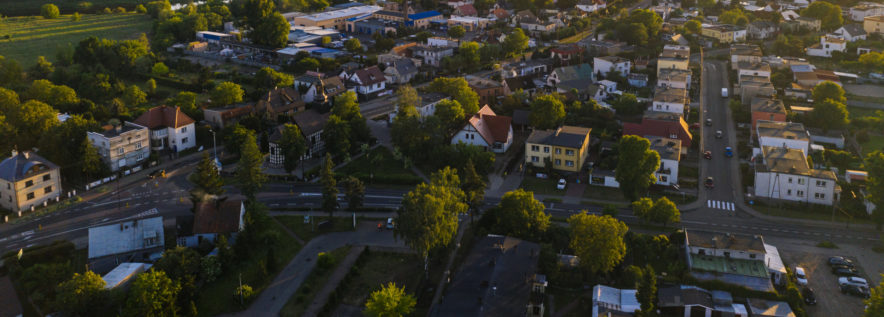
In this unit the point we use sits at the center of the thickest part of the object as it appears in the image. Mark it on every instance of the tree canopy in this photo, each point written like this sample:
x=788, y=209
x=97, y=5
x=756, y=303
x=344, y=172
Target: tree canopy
x=83, y=294
x=428, y=216
x=828, y=90
x=636, y=165
x=828, y=14
x=516, y=42
x=547, y=112
x=249, y=175
x=153, y=294
x=267, y=78
x=519, y=214
x=389, y=301
x=829, y=115
x=226, y=93
x=293, y=146
x=597, y=241
x=458, y=89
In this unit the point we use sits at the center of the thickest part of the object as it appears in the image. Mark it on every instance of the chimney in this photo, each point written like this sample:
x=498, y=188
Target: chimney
x=14, y=152
x=119, y=128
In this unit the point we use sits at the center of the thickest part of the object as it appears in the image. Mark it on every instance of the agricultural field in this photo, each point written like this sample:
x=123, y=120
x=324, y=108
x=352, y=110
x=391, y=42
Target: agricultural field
x=25, y=38
x=32, y=7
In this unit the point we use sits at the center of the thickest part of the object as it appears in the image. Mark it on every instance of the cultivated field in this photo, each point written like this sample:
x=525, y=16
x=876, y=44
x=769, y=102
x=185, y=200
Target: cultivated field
x=34, y=36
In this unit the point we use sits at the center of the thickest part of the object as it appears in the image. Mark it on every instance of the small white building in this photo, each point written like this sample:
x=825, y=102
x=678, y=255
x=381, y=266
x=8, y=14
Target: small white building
x=170, y=129
x=606, y=64
x=790, y=135
x=487, y=130
x=124, y=273
x=122, y=146
x=674, y=78
x=607, y=301
x=850, y=32
x=827, y=45
x=753, y=69
x=670, y=156
x=670, y=99
x=368, y=80
x=865, y=9
x=432, y=55
x=785, y=175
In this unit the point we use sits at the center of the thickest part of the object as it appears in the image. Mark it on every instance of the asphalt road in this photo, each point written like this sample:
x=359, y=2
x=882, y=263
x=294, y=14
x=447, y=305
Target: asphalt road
x=721, y=198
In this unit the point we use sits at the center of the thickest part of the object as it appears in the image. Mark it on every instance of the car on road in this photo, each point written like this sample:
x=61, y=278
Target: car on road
x=390, y=224
x=724, y=92
x=707, y=155
x=157, y=173
x=800, y=276
x=718, y=134
x=854, y=290
x=728, y=152
x=844, y=271
x=840, y=260
x=709, y=122
x=853, y=280
x=710, y=183
x=809, y=297
x=562, y=183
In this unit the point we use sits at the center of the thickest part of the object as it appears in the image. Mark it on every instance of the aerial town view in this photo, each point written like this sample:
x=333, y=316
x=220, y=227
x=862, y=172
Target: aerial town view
x=442, y=158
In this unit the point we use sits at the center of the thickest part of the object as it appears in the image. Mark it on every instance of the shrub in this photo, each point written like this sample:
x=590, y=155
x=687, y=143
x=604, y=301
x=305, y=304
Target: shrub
x=75, y=17
x=120, y=10
x=84, y=5
x=610, y=210
x=325, y=261
x=140, y=9
x=49, y=11
x=107, y=10
x=245, y=291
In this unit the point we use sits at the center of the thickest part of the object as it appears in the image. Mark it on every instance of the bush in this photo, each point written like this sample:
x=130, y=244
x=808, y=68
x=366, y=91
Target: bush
x=49, y=11
x=610, y=210
x=75, y=17
x=325, y=261
x=140, y=9
x=107, y=10
x=245, y=291
x=120, y=10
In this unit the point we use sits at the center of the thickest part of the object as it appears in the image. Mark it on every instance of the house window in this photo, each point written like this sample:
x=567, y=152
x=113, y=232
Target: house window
x=30, y=196
x=29, y=184
x=137, y=146
x=789, y=192
x=664, y=178
x=800, y=193
x=819, y=196
x=569, y=152
x=701, y=252
x=558, y=162
x=184, y=141
x=535, y=159
x=545, y=149
x=790, y=180
x=49, y=176
x=727, y=254
x=800, y=181
x=558, y=151
x=184, y=129
x=120, y=151
x=751, y=256
x=535, y=148
x=820, y=183
x=47, y=190
x=569, y=163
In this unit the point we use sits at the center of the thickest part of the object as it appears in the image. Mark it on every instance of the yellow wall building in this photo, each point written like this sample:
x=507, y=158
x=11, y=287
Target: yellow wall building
x=566, y=148
x=27, y=180
x=874, y=24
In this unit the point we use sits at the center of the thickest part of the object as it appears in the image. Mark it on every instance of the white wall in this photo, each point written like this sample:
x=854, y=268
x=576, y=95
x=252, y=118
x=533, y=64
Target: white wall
x=672, y=177
x=788, y=143
x=735, y=254
x=798, y=188
x=469, y=135
x=668, y=107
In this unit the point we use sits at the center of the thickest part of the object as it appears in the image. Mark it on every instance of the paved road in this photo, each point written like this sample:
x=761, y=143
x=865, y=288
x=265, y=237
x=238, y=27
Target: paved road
x=721, y=198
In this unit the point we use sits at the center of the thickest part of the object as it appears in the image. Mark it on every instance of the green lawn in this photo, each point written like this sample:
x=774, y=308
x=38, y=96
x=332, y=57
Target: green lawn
x=217, y=297
x=385, y=168
x=859, y=112
x=36, y=36
x=302, y=298
x=32, y=7
x=380, y=269
x=820, y=212
x=875, y=143
x=306, y=231
x=541, y=186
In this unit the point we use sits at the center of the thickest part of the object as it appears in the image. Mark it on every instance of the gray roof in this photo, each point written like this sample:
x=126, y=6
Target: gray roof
x=768, y=105
x=494, y=279
x=521, y=117
x=783, y=130
x=24, y=164
x=729, y=241
x=126, y=236
x=673, y=74
x=684, y=295
x=405, y=66
x=310, y=121
x=432, y=97
x=669, y=149
x=671, y=94
x=855, y=29
x=567, y=136
x=746, y=49
x=124, y=127
x=766, y=308
x=575, y=72
x=790, y=161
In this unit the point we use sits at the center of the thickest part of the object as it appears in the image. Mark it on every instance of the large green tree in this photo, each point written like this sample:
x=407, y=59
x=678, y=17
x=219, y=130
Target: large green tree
x=336, y=135
x=293, y=146
x=92, y=164
x=82, y=295
x=828, y=90
x=267, y=78
x=664, y=211
x=354, y=191
x=473, y=187
x=520, y=215
x=646, y=291
x=389, y=301
x=597, y=241
x=469, y=56
x=428, y=216
x=206, y=179
x=875, y=303
x=451, y=113
x=353, y=45
x=515, y=42
x=153, y=294
x=628, y=104
x=829, y=14
x=458, y=89
x=329, y=187
x=273, y=31
x=31, y=119
x=407, y=96
x=829, y=115
x=249, y=175
x=875, y=185
x=636, y=165
x=456, y=31
x=226, y=93
x=547, y=112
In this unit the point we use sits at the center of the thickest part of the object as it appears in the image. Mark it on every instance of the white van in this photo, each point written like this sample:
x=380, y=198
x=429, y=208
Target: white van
x=723, y=92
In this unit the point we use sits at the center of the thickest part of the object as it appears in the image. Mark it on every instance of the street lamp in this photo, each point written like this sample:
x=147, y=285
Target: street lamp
x=214, y=150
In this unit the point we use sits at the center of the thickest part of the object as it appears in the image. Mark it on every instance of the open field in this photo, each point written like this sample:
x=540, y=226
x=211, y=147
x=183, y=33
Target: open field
x=32, y=7
x=36, y=36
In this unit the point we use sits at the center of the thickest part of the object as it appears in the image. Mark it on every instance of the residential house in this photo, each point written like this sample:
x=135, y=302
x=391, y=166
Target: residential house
x=567, y=54
x=368, y=80
x=531, y=67
x=661, y=124
x=730, y=257
x=312, y=123
x=670, y=99
x=28, y=180
x=487, y=130
x=782, y=134
x=670, y=156
x=214, y=218
x=816, y=77
x=499, y=14
x=443, y=41
x=497, y=278
x=533, y=25
x=785, y=175
x=605, y=47
x=754, y=86
x=525, y=84
x=489, y=91
x=580, y=75
x=170, y=129
x=590, y=6
x=400, y=71
x=566, y=148
x=789, y=15
x=851, y=32
x=767, y=109
x=874, y=24
x=432, y=55
x=827, y=45
x=749, y=53
x=761, y=29
x=226, y=116
x=674, y=57
x=423, y=20
x=470, y=24
x=689, y=300
x=466, y=10
x=139, y=239
x=606, y=64
x=769, y=308
x=280, y=102
x=316, y=87
x=637, y=80
x=609, y=301
x=123, y=146
x=724, y=33
x=674, y=78
x=753, y=69
x=429, y=101
x=860, y=11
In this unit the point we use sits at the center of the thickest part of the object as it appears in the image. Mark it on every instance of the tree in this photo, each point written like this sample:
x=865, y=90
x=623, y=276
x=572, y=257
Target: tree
x=641, y=208
x=272, y=32
x=206, y=176
x=469, y=55
x=293, y=146
x=92, y=164
x=520, y=215
x=226, y=93
x=42, y=69
x=664, y=211
x=151, y=85
x=829, y=115
x=651, y=20
x=184, y=266
x=329, y=187
x=49, y=11
x=875, y=303
x=875, y=185
x=10, y=72
x=31, y=119
x=628, y=104
x=389, y=301
x=407, y=96
x=838, y=159
x=828, y=14
x=636, y=165
x=547, y=112
x=428, y=216
x=337, y=136
x=353, y=45
x=633, y=33
x=153, y=294
x=456, y=31
x=458, y=89
x=828, y=90
x=267, y=78
x=354, y=191
x=473, y=187
x=186, y=100
x=159, y=69
x=133, y=96
x=450, y=113
x=248, y=171
x=731, y=16
x=597, y=241
x=693, y=26
x=646, y=291
x=75, y=17
x=515, y=43
x=81, y=295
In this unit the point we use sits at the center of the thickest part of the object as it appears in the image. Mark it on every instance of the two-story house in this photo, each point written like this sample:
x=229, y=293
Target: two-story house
x=874, y=24
x=318, y=88
x=790, y=135
x=565, y=148
x=400, y=71
x=432, y=55
x=661, y=124
x=567, y=54
x=767, y=109
x=487, y=130
x=28, y=180
x=122, y=146
x=761, y=29
x=488, y=90
x=860, y=11
x=280, y=102
x=827, y=45
x=724, y=33
x=670, y=99
x=670, y=156
x=749, y=53
x=674, y=57
x=851, y=32
x=606, y=64
x=785, y=175
x=170, y=129
x=368, y=80
x=753, y=69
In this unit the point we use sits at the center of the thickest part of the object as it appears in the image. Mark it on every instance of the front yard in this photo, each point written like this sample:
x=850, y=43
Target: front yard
x=308, y=231
x=379, y=166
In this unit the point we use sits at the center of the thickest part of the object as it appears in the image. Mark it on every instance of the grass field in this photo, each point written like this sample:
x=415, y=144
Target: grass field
x=32, y=7
x=875, y=143
x=35, y=36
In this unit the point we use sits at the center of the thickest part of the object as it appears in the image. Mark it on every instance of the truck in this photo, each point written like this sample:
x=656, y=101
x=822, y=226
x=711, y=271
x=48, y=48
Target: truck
x=723, y=92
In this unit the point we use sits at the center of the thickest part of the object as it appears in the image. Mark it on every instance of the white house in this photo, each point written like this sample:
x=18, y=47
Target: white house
x=674, y=78
x=170, y=129
x=606, y=64
x=590, y=6
x=607, y=301
x=316, y=87
x=670, y=99
x=368, y=80
x=827, y=45
x=214, y=218
x=785, y=175
x=790, y=135
x=670, y=156
x=865, y=9
x=851, y=32
x=432, y=55
x=753, y=69
x=487, y=130
x=125, y=145
x=730, y=245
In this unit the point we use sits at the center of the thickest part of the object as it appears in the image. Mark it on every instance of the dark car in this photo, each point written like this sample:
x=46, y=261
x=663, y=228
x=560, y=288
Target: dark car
x=709, y=182
x=854, y=290
x=157, y=173
x=809, y=297
x=845, y=271
x=707, y=155
x=840, y=260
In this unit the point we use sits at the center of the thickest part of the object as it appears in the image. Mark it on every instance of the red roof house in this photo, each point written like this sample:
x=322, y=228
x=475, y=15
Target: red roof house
x=661, y=124
x=488, y=130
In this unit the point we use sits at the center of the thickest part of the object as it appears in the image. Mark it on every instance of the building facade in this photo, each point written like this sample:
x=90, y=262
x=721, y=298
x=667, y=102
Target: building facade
x=123, y=146
x=565, y=148
x=28, y=180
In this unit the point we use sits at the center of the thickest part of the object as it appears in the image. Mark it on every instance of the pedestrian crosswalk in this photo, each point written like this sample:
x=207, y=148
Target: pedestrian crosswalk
x=723, y=205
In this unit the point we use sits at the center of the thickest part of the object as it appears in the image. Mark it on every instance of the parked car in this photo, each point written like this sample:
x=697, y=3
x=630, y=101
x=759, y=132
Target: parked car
x=728, y=152
x=800, y=276
x=709, y=122
x=718, y=134
x=390, y=224
x=844, y=271
x=853, y=280
x=562, y=183
x=710, y=183
x=809, y=297
x=854, y=290
x=157, y=173
x=840, y=260
x=707, y=155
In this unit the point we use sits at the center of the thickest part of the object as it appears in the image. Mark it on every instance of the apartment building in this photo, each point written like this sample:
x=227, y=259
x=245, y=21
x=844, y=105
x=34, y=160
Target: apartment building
x=123, y=146
x=27, y=180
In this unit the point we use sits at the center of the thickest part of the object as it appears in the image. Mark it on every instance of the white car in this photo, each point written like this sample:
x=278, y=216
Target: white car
x=390, y=223
x=853, y=280
x=800, y=276
x=562, y=183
